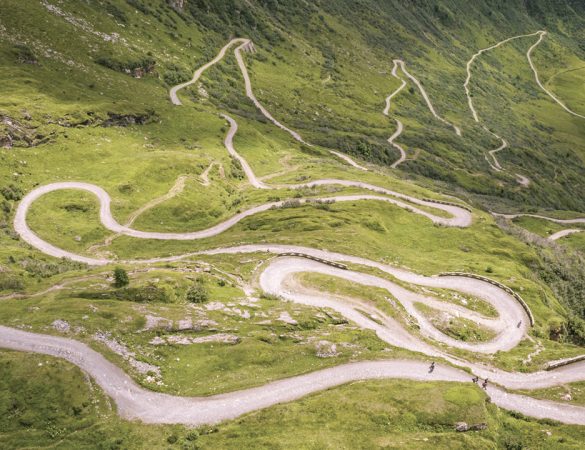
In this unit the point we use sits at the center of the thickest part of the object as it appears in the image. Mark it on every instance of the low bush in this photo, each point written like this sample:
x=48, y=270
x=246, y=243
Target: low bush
x=10, y=282
x=197, y=294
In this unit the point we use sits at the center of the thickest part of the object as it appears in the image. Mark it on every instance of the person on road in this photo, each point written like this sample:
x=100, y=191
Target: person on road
x=519, y=324
x=475, y=379
x=432, y=367
x=484, y=384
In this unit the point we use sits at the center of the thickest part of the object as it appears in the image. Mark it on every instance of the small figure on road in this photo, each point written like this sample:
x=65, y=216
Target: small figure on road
x=484, y=384
x=475, y=379
x=432, y=367
x=519, y=324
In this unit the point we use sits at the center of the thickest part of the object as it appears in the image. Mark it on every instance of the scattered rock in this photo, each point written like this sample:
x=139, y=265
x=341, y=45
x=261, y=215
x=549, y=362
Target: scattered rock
x=222, y=338
x=286, y=318
x=185, y=324
x=154, y=322
x=461, y=426
x=124, y=120
x=244, y=314
x=567, y=397
x=478, y=426
x=179, y=5
x=203, y=324
x=215, y=306
x=61, y=326
x=157, y=341
x=326, y=349
x=120, y=349
x=202, y=92
x=5, y=141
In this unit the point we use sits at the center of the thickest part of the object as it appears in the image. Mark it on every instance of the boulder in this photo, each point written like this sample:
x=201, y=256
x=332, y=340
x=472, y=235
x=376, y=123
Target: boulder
x=178, y=5
x=461, y=426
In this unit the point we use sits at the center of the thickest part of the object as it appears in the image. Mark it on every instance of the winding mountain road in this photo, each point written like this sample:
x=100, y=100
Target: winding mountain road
x=558, y=234
x=549, y=93
x=422, y=90
x=493, y=160
x=563, y=233
x=247, y=45
x=173, y=92
x=134, y=402
x=509, y=327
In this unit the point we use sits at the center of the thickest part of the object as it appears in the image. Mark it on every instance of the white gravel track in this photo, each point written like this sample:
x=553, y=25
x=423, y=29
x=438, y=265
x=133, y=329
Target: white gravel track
x=135, y=402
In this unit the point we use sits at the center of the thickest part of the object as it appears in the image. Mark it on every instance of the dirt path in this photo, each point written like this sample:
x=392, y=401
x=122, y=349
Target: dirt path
x=399, y=125
x=247, y=45
x=173, y=92
x=460, y=217
x=563, y=233
x=472, y=60
x=265, y=113
x=204, y=177
x=558, y=234
x=175, y=190
x=537, y=216
x=549, y=93
x=137, y=403
x=398, y=132
x=561, y=72
x=493, y=160
x=422, y=90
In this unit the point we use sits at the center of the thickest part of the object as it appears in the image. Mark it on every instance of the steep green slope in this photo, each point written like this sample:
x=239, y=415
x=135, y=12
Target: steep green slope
x=84, y=96
x=324, y=69
x=395, y=414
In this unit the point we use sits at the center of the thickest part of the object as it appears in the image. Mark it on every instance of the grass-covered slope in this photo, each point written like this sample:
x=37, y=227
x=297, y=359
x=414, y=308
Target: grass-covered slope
x=395, y=414
x=84, y=96
x=324, y=68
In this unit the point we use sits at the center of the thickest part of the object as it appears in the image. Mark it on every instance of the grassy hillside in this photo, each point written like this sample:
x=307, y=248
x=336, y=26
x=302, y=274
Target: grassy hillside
x=396, y=414
x=333, y=92
x=84, y=97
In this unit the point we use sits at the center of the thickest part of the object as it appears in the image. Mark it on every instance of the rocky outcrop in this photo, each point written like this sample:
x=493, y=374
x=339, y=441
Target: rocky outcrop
x=124, y=120
x=178, y=5
x=462, y=427
x=5, y=141
x=14, y=133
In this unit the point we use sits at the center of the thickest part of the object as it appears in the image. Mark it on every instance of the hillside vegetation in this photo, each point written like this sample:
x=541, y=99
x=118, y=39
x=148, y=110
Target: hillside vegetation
x=85, y=97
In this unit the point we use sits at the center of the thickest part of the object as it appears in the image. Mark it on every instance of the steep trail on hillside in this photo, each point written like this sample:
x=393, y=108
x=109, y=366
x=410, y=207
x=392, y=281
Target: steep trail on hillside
x=553, y=237
x=399, y=125
x=549, y=93
x=493, y=160
x=265, y=113
x=173, y=92
x=247, y=45
x=561, y=234
x=422, y=90
x=460, y=217
x=509, y=327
